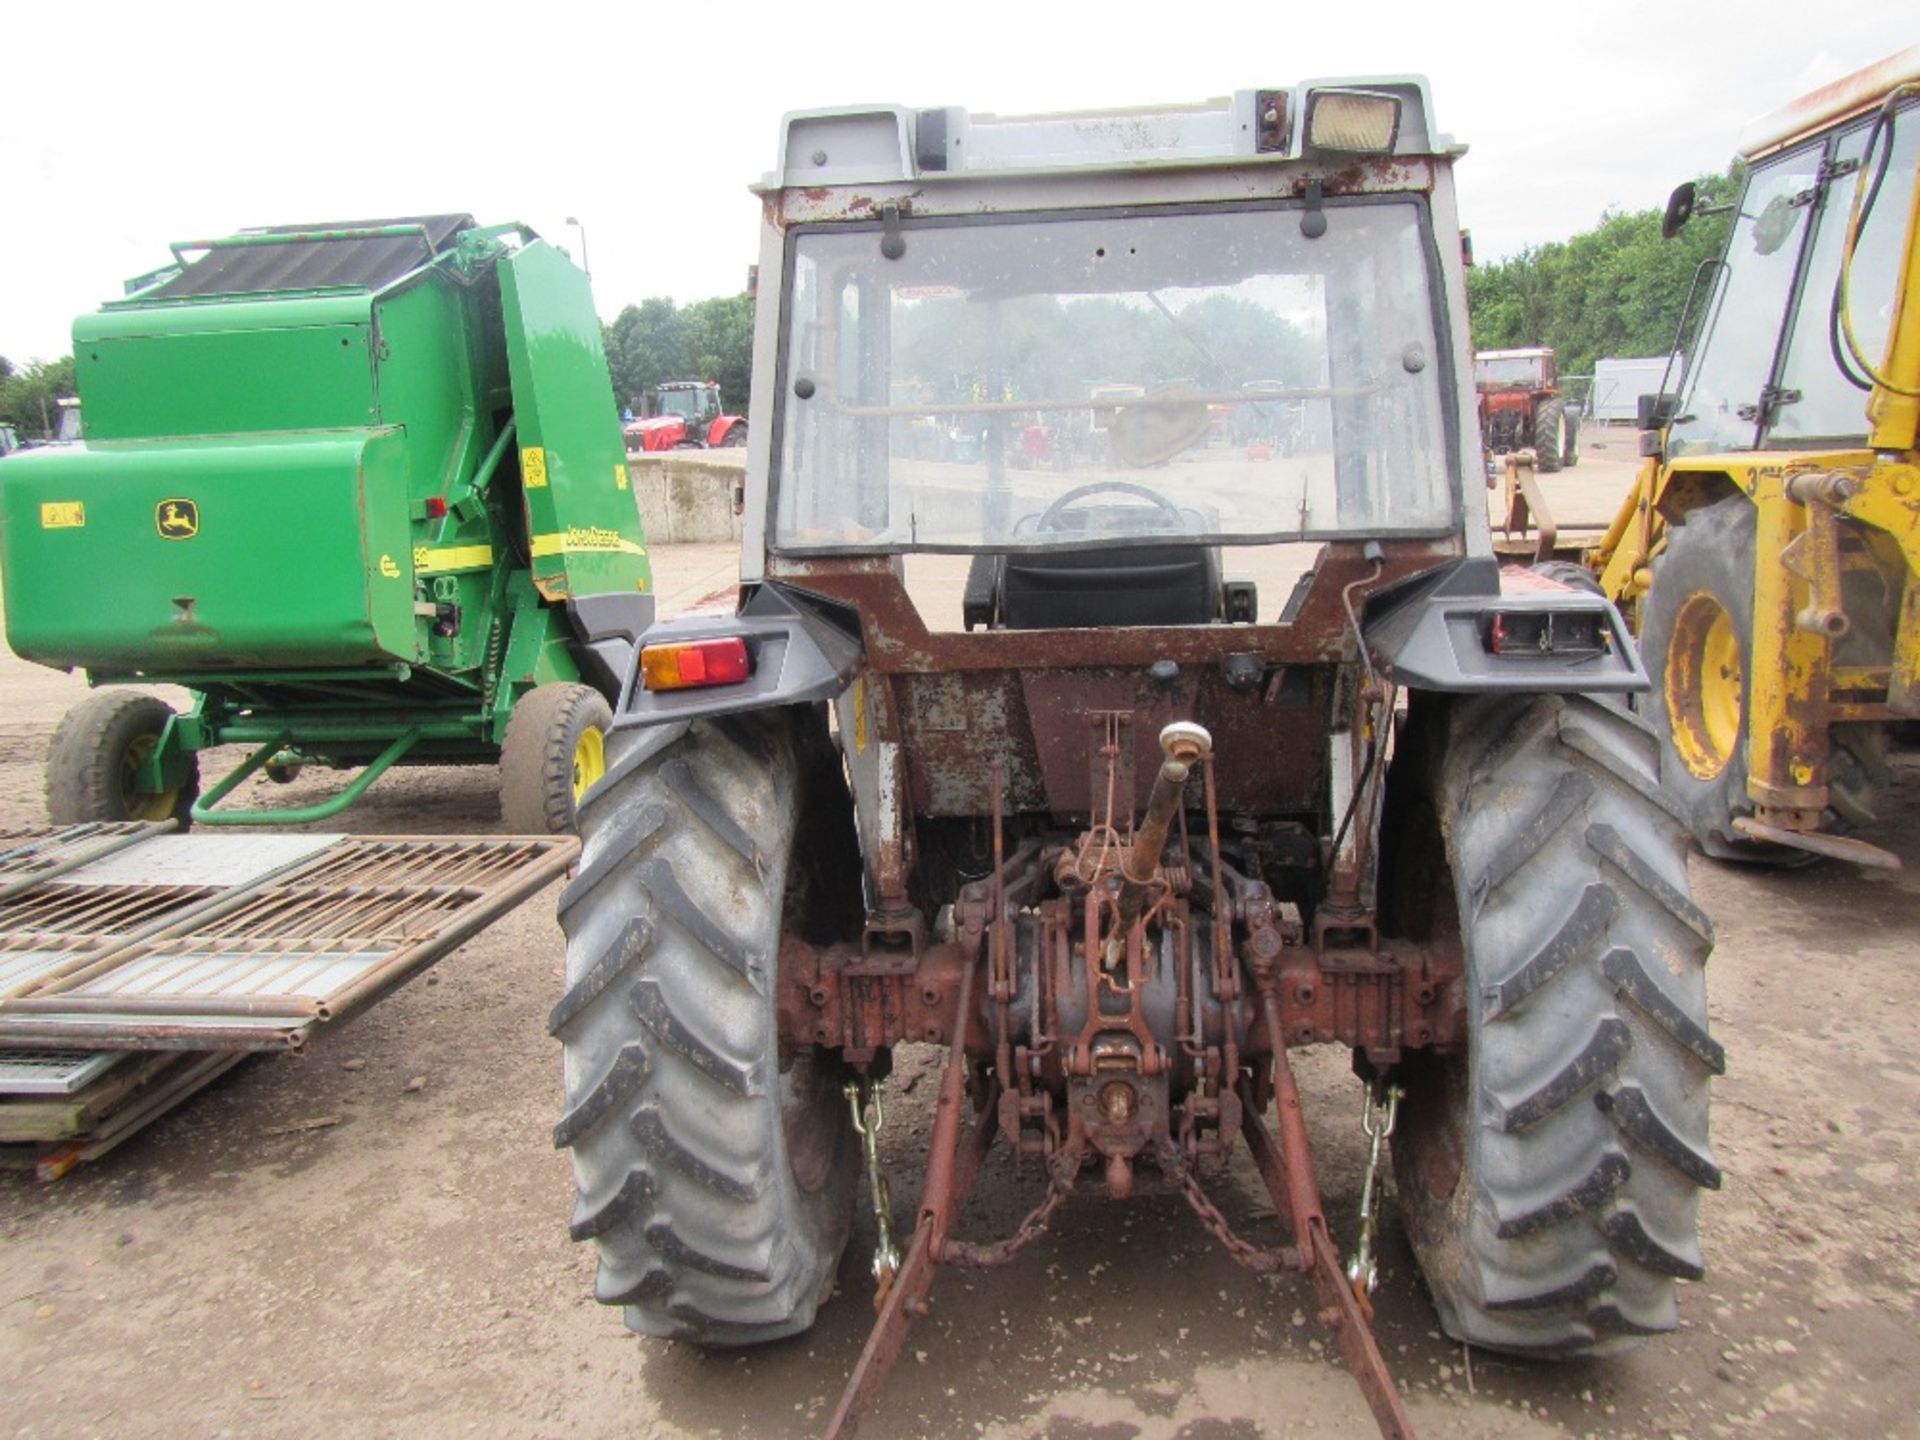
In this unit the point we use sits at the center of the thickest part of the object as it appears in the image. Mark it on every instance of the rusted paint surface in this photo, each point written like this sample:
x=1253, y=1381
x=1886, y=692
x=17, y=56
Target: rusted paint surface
x=1401, y=996
x=898, y=641
x=959, y=703
x=1271, y=738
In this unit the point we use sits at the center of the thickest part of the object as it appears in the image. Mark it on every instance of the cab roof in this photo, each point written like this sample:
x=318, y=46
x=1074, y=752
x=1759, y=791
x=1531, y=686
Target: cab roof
x=1842, y=99
x=880, y=144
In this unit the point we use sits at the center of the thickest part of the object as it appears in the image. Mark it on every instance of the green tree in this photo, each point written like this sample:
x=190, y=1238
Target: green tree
x=657, y=340
x=1615, y=289
x=30, y=396
x=644, y=347
x=718, y=338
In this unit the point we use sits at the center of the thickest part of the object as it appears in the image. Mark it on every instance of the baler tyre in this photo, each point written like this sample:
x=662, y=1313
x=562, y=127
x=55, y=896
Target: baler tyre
x=1697, y=639
x=1550, y=1178
x=1549, y=435
x=1571, y=456
x=554, y=751
x=98, y=748
x=716, y=1171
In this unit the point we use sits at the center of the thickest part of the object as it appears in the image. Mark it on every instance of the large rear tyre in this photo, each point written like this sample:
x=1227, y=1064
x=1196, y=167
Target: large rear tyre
x=1550, y=1178
x=715, y=1172
x=1551, y=445
x=1696, y=636
x=95, y=759
x=554, y=751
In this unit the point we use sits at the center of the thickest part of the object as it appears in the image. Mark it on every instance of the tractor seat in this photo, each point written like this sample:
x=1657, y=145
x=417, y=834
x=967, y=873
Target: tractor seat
x=1085, y=589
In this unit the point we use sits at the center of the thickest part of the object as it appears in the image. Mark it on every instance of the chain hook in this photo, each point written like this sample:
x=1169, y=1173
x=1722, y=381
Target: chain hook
x=1379, y=1109
x=868, y=1116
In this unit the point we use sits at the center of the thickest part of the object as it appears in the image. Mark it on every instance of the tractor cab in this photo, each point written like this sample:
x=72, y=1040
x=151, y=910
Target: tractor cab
x=1495, y=371
x=694, y=401
x=1134, y=405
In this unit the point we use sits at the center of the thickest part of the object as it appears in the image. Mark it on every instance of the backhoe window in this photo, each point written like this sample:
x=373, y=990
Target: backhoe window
x=1077, y=380
x=1830, y=407
x=1742, y=331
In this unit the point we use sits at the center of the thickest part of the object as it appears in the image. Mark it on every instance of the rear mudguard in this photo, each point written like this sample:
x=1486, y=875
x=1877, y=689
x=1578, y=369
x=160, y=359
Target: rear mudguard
x=802, y=648
x=1431, y=634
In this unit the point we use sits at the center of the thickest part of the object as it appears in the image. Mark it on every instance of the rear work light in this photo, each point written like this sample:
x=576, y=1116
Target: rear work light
x=1575, y=635
x=1353, y=122
x=691, y=663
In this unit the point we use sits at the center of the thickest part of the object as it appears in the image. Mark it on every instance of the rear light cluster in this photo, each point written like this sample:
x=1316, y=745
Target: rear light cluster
x=1566, y=634
x=685, y=665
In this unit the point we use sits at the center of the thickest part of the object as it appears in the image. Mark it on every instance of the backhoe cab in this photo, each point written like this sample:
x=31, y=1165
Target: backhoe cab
x=1120, y=763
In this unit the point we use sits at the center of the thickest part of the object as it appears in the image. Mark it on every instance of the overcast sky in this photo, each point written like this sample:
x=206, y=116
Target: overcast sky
x=123, y=127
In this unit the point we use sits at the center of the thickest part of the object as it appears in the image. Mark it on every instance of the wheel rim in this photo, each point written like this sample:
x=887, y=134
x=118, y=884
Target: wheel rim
x=811, y=1112
x=1705, y=685
x=143, y=804
x=589, y=760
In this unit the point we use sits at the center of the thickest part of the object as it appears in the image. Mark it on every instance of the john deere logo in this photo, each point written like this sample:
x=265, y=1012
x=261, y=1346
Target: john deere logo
x=177, y=519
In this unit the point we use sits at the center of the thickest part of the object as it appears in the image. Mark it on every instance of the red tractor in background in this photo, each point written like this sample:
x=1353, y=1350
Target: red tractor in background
x=686, y=416
x=1521, y=405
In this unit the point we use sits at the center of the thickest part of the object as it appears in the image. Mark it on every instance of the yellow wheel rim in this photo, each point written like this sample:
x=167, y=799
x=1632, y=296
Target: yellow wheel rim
x=589, y=760
x=143, y=804
x=1705, y=685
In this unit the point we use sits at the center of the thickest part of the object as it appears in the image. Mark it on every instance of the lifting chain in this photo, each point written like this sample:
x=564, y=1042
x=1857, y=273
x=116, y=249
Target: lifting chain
x=1379, y=1108
x=868, y=1117
x=1244, y=1252
x=972, y=1256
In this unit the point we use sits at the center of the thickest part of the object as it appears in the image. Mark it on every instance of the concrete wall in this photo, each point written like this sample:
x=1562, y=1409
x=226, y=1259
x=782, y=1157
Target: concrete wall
x=686, y=496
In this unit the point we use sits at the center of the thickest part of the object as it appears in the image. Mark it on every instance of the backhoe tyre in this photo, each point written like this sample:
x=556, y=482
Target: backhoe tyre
x=553, y=753
x=98, y=750
x=1550, y=435
x=716, y=1173
x=1549, y=1179
x=1696, y=637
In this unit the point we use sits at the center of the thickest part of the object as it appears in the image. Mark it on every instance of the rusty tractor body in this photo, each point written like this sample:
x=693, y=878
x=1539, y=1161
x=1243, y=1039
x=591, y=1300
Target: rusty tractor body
x=1522, y=407
x=1119, y=777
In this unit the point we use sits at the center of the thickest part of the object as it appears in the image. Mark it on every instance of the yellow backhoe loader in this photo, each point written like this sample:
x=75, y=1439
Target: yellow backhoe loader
x=1769, y=552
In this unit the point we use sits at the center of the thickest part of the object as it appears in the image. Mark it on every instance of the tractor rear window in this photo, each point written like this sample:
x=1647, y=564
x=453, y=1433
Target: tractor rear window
x=1054, y=382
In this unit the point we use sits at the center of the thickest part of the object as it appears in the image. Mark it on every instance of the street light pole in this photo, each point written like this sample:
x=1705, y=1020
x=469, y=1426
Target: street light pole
x=583, y=246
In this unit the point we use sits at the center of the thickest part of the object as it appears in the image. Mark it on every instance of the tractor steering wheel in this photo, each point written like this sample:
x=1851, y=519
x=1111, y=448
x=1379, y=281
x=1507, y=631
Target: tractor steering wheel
x=1050, y=517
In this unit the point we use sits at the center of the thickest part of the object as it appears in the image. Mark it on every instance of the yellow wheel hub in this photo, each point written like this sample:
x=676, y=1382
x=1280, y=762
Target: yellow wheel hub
x=143, y=804
x=1705, y=685
x=589, y=760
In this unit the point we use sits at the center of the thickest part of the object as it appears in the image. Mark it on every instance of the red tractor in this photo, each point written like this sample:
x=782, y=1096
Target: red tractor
x=1521, y=405
x=686, y=416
